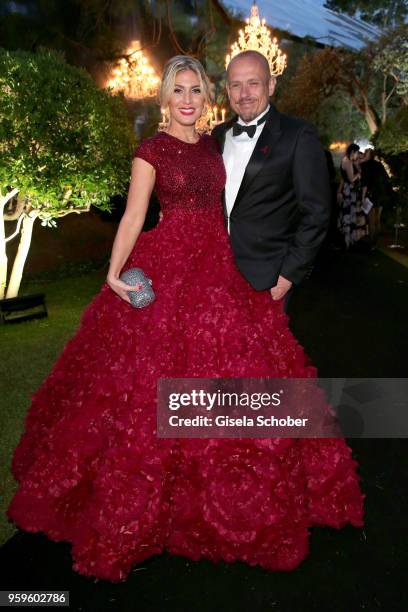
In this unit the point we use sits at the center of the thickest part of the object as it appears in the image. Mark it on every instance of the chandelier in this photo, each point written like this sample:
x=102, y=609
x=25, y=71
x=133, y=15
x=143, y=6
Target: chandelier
x=257, y=37
x=133, y=75
x=204, y=125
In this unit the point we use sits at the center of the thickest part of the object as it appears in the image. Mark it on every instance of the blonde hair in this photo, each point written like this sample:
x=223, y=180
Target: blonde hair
x=177, y=64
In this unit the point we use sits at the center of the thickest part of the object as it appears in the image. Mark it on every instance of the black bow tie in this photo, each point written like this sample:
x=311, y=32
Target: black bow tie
x=238, y=128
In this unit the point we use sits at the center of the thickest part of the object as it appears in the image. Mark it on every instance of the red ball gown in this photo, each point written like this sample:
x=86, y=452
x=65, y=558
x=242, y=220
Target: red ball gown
x=90, y=467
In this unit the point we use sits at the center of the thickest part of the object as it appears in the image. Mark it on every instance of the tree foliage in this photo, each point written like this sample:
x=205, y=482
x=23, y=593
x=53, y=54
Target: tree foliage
x=64, y=144
x=82, y=29
x=384, y=13
x=314, y=80
x=373, y=80
x=391, y=142
x=94, y=31
x=392, y=138
x=392, y=60
x=329, y=72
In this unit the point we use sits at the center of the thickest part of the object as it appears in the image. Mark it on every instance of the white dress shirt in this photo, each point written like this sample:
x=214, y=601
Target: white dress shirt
x=236, y=155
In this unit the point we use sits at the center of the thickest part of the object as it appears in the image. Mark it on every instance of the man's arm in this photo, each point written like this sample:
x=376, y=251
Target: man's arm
x=312, y=188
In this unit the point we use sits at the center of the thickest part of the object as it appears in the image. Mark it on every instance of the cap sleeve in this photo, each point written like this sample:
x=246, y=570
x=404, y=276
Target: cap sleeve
x=147, y=151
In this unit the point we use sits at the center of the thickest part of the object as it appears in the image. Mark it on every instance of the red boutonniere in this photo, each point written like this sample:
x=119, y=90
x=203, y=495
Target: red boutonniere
x=264, y=150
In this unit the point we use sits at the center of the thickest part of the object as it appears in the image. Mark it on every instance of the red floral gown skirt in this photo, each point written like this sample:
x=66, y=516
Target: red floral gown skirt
x=90, y=467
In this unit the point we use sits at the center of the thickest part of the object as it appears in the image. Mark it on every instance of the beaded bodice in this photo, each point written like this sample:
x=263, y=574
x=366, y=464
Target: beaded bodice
x=189, y=176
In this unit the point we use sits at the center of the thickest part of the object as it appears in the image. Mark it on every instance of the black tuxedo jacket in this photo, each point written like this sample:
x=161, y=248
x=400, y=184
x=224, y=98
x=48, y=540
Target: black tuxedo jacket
x=281, y=213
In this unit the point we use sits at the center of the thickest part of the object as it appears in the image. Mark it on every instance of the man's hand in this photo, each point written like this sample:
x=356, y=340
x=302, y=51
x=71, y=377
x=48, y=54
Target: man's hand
x=160, y=216
x=281, y=288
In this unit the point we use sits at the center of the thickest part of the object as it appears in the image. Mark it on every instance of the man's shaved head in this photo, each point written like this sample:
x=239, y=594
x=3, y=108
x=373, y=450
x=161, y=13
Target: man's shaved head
x=254, y=55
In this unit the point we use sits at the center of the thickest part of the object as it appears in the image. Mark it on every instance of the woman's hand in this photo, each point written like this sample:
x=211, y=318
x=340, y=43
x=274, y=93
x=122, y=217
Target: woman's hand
x=121, y=288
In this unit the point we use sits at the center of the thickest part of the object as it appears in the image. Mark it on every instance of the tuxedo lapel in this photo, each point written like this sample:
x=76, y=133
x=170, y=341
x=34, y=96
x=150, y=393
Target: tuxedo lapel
x=221, y=131
x=224, y=204
x=263, y=150
x=219, y=134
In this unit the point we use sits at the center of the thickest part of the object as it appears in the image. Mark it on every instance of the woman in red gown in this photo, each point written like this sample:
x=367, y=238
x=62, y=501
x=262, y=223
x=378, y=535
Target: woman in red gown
x=90, y=467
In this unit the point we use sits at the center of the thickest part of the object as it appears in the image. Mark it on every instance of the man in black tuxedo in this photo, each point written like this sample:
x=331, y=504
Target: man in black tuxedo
x=277, y=195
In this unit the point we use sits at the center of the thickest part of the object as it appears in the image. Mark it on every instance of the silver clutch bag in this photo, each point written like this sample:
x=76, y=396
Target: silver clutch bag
x=145, y=295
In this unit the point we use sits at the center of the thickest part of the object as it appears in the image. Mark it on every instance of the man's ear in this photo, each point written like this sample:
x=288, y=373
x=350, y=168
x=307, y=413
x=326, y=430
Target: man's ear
x=272, y=85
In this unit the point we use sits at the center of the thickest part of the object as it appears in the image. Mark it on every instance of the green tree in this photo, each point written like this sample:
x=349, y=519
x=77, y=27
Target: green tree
x=65, y=145
x=384, y=13
x=392, y=63
x=94, y=31
x=85, y=30
x=391, y=142
x=332, y=72
x=392, y=138
x=374, y=80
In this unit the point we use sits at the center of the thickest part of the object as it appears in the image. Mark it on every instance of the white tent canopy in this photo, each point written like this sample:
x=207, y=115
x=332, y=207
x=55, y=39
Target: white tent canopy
x=310, y=18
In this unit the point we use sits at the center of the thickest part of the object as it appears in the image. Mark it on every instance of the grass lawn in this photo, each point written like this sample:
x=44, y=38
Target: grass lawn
x=29, y=350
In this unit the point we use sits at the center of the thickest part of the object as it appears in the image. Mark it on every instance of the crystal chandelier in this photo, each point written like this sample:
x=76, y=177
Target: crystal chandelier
x=133, y=75
x=205, y=124
x=257, y=37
